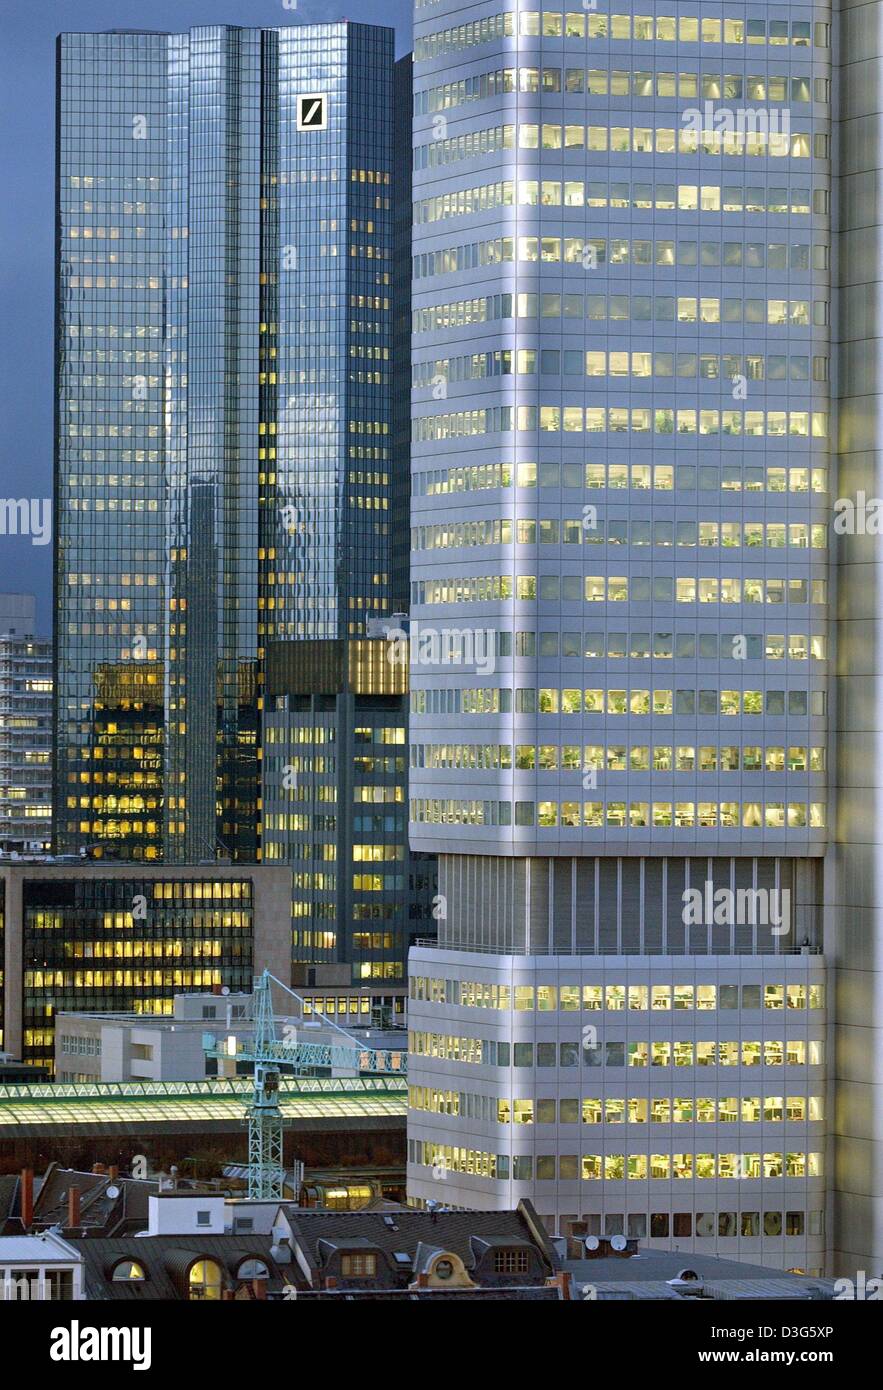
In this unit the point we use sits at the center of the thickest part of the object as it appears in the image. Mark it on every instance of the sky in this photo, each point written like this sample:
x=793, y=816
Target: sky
x=27, y=132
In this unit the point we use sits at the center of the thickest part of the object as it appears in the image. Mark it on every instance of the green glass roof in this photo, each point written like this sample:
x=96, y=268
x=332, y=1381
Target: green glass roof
x=216, y=1098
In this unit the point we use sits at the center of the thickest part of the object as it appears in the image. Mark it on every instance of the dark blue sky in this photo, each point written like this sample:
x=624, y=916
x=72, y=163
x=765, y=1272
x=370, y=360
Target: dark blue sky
x=27, y=124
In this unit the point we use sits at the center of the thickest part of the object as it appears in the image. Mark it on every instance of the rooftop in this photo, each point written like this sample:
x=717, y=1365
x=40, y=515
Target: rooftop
x=215, y=1103
x=648, y=1274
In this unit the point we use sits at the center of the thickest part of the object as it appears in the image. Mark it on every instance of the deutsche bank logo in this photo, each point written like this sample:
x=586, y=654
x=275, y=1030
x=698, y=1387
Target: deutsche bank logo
x=312, y=111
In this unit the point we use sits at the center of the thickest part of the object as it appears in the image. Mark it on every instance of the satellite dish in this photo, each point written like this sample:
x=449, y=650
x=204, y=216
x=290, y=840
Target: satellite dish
x=225, y=989
x=618, y=1243
x=112, y=1192
x=591, y=1242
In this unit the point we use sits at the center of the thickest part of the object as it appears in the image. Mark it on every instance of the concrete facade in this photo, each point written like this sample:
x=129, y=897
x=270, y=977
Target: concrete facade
x=624, y=410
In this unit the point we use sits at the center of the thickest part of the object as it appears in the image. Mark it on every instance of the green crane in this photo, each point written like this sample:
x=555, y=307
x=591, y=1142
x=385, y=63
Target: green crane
x=264, y=1117
x=268, y=1055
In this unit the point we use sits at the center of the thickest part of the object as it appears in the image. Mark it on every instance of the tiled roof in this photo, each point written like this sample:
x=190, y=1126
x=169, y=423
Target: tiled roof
x=112, y=1214
x=166, y=1260
x=405, y=1229
x=524, y=1294
x=412, y=1233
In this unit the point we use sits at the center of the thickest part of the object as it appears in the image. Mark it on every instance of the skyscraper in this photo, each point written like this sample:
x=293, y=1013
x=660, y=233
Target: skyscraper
x=25, y=728
x=622, y=486
x=225, y=455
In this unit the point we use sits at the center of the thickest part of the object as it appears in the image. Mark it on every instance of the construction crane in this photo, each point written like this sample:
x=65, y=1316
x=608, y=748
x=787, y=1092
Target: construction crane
x=268, y=1056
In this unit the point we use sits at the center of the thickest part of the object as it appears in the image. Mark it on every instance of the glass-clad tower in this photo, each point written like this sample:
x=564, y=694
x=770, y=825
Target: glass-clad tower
x=110, y=510
x=620, y=525
x=226, y=455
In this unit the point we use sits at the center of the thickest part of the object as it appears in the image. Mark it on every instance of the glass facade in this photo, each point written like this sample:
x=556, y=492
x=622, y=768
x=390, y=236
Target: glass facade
x=110, y=605
x=127, y=945
x=224, y=460
x=227, y=457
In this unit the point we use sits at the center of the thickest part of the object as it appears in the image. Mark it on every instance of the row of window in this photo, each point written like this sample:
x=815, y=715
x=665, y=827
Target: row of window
x=577, y=24
x=189, y=921
x=627, y=139
x=665, y=253
x=486, y=1052
x=635, y=588
x=145, y=950
x=479, y=994
x=606, y=81
x=571, y=815
x=710, y=703
x=621, y=419
x=707, y=366
x=611, y=1110
x=465, y=313
x=601, y=193
x=620, y=757
x=77, y=1046
x=477, y=31
x=589, y=529
x=481, y=700
x=640, y=477
x=446, y=1158
x=710, y=1224
x=129, y=979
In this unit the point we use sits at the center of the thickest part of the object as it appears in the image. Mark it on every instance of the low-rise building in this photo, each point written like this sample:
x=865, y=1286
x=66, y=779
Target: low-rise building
x=198, y=1247
x=137, y=1047
x=25, y=729
x=39, y=1268
x=89, y=936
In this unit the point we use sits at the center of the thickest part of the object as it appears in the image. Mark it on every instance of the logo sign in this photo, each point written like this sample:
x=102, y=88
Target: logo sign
x=312, y=111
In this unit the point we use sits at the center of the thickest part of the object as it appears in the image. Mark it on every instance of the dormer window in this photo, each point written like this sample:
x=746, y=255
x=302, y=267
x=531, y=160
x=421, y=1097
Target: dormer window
x=125, y=1270
x=252, y=1269
x=358, y=1266
x=510, y=1262
x=204, y=1281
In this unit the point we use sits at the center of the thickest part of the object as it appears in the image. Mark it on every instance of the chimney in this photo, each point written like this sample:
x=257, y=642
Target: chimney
x=259, y=1288
x=113, y=1172
x=98, y=1168
x=27, y=1198
x=330, y=1281
x=561, y=1280
x=73, y=1207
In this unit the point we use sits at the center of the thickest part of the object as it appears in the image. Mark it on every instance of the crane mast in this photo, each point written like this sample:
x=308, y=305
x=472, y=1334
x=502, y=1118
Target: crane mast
x=268, y=1055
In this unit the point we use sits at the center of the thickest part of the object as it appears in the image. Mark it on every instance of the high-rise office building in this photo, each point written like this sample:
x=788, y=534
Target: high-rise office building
x=334, y=766
x=226, y=467
x=127, y=938
x=622, y=489
x=25, y=729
